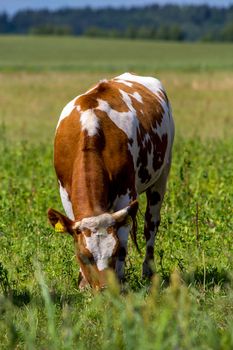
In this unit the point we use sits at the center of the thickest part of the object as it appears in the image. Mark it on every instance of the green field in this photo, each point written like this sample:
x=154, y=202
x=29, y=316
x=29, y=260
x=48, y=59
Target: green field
x=104, y=55
x=190, y=303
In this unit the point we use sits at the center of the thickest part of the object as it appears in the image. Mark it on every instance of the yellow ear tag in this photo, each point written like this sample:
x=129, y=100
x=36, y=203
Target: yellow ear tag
x=59, y=227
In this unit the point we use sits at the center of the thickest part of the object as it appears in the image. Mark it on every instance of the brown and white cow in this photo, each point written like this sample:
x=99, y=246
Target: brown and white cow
x=112, y=143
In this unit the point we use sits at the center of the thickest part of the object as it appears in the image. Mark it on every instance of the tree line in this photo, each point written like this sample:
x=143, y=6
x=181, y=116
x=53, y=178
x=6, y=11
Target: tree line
x=168, y=22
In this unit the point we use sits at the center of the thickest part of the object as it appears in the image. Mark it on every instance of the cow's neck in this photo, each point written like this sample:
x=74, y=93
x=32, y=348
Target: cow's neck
x=89, y=185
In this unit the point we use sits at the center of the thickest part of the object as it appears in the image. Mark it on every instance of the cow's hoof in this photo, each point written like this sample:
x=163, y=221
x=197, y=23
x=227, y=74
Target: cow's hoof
x=147, y=271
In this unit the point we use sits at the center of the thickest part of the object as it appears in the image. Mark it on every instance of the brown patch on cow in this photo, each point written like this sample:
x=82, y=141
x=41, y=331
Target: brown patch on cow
x=89, y=196
x=87, y=101
x=66, y=145
x=104, y=91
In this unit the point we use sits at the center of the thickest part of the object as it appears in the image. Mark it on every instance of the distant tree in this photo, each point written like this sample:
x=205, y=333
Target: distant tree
x=114, y=33
x=5, y=26
x=145, y=32
x=50, y=29
x=168, y=22
x=173, y=32
x=95, y=32
x=131, y=32
x=227, y=32
x=163, y=33
x=176, y=33
x=211, y=35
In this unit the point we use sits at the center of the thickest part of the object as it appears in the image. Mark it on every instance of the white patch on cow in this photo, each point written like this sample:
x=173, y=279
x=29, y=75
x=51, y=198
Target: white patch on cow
x=121, y=81
x=66, y=202
x=67, y=110
x=124, y=120
x=137, y=96
x=126, y=98
x=89, y=122
x=101, y=244
x=152, y=84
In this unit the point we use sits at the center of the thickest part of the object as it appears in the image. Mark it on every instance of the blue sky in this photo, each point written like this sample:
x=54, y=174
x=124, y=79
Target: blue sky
x=11, y=6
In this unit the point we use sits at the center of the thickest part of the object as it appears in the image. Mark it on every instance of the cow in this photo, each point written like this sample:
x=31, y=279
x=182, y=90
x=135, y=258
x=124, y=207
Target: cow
x=112, y=143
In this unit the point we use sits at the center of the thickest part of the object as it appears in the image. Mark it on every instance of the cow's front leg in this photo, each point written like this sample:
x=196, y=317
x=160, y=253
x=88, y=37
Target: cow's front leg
x=123, y=234
x=152, y=221
x=155, y=195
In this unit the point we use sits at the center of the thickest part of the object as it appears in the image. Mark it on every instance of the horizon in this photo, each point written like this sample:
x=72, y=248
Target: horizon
x=13, y=6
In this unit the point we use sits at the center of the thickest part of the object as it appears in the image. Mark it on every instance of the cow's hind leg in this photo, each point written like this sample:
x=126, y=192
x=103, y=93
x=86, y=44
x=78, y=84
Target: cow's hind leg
x=155, y=195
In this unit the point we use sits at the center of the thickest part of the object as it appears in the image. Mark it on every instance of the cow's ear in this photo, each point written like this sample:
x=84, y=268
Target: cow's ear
x=60, y=222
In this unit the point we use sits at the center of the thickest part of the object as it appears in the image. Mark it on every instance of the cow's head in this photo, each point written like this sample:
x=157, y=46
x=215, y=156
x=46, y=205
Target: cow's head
x=95, y=239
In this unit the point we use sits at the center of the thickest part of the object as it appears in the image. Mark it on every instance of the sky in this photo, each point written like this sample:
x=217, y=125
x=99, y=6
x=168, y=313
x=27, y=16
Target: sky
x=11, y=6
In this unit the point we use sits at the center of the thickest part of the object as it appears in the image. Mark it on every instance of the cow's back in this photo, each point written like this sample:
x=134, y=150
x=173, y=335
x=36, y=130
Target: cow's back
x=127, y=122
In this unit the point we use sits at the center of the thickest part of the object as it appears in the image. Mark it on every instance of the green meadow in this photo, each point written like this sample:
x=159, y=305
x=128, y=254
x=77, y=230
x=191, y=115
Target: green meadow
x=105, y=55
x=189, y=303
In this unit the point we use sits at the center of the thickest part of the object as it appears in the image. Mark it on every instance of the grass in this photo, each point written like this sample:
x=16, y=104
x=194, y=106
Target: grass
x=30, y=53
x=190, y=302
x=196, y=313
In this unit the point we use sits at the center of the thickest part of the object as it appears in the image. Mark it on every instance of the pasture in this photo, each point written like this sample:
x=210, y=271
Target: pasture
x=190, y=302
